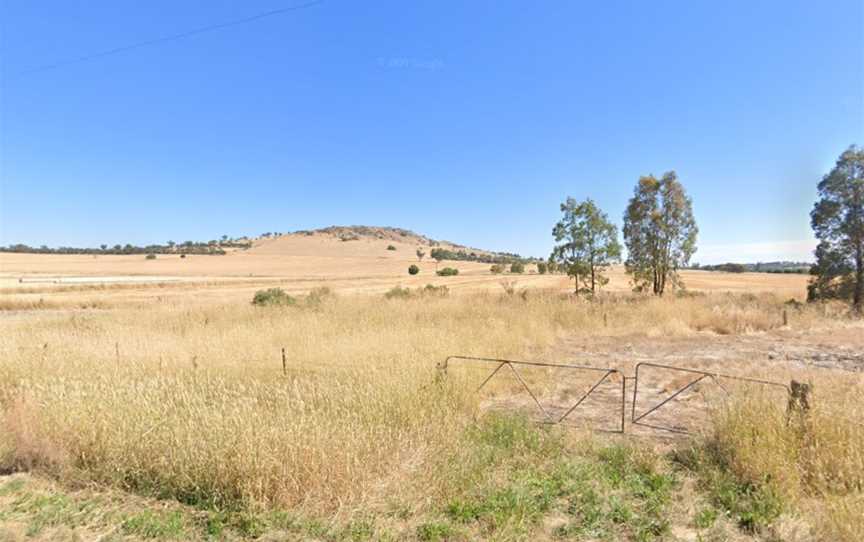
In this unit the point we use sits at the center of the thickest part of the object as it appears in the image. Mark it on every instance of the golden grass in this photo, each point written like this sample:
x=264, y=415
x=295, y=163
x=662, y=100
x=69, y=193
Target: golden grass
x=189, y=401
x=813, y=459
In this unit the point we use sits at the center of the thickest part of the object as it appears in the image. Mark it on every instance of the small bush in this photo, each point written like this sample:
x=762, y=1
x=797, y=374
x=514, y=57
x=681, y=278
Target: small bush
x=447, y=272
x=413, y=270
x=436, y=291
x=150, y=256
x=319, y=295
x=398, y=292
x=391, y=247
x=497, y=268
x=183, y=256
x=542, y=268
x=517, y=267
x=272, y=296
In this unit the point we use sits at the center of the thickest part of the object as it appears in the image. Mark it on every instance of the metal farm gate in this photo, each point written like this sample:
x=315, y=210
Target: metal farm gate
x=553, y=393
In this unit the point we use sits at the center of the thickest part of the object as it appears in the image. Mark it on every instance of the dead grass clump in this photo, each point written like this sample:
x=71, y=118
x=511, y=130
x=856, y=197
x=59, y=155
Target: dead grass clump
x=25, y=441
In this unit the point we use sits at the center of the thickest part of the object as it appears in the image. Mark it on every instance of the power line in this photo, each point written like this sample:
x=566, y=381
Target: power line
x=173, y=37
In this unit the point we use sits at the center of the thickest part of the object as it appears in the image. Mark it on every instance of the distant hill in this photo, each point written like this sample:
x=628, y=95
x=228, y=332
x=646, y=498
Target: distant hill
x=358, y=240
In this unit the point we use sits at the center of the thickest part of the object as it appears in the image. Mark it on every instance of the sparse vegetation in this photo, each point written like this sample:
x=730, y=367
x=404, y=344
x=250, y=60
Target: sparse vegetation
x=150, y=256
x=447, y=272
x=497, y=268
x=517, y=267
x=391, y=247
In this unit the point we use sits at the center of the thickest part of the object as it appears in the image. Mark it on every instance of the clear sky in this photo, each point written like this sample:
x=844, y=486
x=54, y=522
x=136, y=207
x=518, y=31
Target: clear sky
x=467, y=121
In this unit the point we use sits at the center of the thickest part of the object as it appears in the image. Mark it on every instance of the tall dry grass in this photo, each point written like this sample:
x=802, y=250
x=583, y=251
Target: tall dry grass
x=812, y=459
x=190, y=402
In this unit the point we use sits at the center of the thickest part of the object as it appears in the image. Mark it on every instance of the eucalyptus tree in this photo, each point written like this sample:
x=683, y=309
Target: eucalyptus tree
x=660, y=233
x=587, y=244
x=838, y=222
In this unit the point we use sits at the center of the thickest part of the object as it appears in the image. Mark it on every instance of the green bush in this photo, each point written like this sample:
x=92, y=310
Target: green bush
x=447, y=272
x=497, y=268
x=272, y=296
x=413, y=269
x=391, y=247
x=517, y=267
x=398, y=292
x=150, y=256
x=542, y=268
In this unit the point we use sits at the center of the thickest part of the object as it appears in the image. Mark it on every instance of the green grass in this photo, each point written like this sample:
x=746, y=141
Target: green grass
x=156, y=525
x=522, y=473
x=751, y=506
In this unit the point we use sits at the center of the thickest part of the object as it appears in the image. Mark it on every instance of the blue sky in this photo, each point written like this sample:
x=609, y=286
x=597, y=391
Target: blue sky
x=467, y=121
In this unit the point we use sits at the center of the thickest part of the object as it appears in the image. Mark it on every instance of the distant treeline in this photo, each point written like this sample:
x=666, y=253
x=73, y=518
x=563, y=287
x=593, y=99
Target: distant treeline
x=210, y=248
x=761, y=267
x=461, y=255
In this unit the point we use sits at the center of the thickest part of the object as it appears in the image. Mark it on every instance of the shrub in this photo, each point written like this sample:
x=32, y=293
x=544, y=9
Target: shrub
x=517, y=267
x=437, y=291
x=272, y=296
x=542, y=268
x=150, y=256
x=183, y=256
x=319, y=295
x=398, y=292
x=497, y=268
x=413, y=270
x=447, y=272
x=391, y=247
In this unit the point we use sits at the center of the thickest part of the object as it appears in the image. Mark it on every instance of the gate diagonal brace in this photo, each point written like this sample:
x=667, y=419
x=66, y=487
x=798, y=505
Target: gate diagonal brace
x=702, y=375
x=585, y=396
x=671, y=397
x=548, y=417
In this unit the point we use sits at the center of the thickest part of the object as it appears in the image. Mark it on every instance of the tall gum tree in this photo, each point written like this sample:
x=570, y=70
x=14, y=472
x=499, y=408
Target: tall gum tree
x=660, y=233
x=838, y=223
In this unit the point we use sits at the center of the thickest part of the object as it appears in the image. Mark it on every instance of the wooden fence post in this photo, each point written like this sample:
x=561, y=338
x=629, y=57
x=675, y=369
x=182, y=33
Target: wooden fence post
x=284, y=363
x=799, y=398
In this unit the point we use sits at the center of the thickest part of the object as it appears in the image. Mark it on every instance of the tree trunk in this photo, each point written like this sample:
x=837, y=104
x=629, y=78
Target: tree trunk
x=858, y=296
x=592, y=279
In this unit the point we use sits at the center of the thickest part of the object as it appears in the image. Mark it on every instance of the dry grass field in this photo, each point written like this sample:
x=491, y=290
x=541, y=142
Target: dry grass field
x=298, y=263
x=164, y=410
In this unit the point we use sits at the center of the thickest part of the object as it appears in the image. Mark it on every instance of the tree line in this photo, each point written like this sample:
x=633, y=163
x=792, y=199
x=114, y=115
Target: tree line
x=440, y=254
x=660, y=235
x=210, y=248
